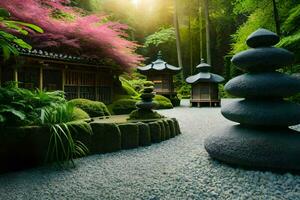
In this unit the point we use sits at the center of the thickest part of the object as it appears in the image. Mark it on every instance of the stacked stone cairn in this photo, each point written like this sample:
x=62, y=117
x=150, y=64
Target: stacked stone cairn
x=146, y=106
x=262, y=139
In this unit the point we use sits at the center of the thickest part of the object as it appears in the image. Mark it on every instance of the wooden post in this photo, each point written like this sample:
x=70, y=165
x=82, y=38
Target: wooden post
x=63, y=77
x=0, y=75
x=97, y=85
x=16, y=76
x=78, y=83
x=41, y=78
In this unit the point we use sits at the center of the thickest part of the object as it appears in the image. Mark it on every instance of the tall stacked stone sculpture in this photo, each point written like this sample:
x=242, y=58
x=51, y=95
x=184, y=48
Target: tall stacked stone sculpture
x=263, y=138
x=146, y=106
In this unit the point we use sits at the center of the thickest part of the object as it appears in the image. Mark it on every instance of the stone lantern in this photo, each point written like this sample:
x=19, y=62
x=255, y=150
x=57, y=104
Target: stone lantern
x=205, y=90
x=262, y=139
x=161, y=74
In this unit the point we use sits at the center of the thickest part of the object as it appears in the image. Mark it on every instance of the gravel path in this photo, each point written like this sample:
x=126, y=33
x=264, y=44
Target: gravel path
x=175, y=169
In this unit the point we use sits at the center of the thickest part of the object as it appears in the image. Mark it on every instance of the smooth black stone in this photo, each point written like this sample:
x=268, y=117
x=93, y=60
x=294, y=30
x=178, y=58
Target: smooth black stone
x=148, y=89
x=147, y=96
x=262, y=112
x=276, y=149
x=263, y=59
x=262, y=38
x=146, y=105
x=273, y=84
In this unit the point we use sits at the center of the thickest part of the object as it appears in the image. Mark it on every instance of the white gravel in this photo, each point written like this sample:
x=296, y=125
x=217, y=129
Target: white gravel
x=178, y=168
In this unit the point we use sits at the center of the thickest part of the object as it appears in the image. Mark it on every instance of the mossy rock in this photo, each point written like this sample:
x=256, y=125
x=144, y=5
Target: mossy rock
x=106, y=138
x=172, y=127
x=155, y=131
x=167, y=129
x=23, y=147
x=123, y=106
x=144, y=114
x=177, y=127
x=93, y=108
x=79, y=114
x=163, y=130
x=80, y=133
x=129, y=135
x=144, y=134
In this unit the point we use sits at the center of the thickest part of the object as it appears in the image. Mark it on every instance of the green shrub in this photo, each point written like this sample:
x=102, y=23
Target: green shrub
x=93, y=108
x=163, y=102
x=106, y=138
x=144, y=134
x=163, y=130
x=175, y=101
x=144, y=114
x=128, y=88
x=167, y=128
x=184, y=92
x=133, y=86
x=155, y=131
x=79, y=114
x=139, y=84
x=129, y=135
x=124, y=106
x=63, y=148
x=172, y=127
x=22, y=107
x=120, y=96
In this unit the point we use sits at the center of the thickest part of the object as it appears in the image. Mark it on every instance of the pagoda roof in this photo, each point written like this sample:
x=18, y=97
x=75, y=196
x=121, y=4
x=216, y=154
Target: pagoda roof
x=204, y=75
x=159, y=65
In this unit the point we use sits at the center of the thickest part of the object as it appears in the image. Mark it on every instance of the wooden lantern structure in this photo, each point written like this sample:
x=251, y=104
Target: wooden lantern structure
x=78, y=77
x=205, y=90
x=161, y=74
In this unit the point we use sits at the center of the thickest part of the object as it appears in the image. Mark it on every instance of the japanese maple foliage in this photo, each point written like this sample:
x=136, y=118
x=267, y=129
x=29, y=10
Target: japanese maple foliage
x=79, y=34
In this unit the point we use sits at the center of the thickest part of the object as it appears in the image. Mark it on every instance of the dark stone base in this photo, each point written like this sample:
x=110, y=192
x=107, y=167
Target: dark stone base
x=277, y=149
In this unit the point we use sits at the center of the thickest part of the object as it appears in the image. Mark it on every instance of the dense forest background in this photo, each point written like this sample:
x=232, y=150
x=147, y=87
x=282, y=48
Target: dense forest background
x=230, y=22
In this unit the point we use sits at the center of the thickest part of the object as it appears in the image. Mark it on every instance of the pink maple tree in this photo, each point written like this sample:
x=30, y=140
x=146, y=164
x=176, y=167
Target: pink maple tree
x=80, y=34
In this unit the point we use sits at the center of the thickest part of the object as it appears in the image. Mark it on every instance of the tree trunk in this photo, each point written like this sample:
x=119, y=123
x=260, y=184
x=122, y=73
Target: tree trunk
x=200, y=29
x=276, y=18
x=178, y=41
x=190, y=46
x=207, y=22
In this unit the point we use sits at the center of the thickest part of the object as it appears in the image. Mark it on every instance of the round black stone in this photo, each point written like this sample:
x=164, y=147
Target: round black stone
x=263, y=59
x=262, y=112
x=148, y=89
x=272, y=84
x=256, y=148
x=262, y=38
x=146, y=105
x=147, y=96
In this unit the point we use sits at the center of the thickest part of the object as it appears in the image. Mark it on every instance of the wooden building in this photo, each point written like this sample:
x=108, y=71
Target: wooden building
x=205, y=90
x=161, y=74
x=76, y=76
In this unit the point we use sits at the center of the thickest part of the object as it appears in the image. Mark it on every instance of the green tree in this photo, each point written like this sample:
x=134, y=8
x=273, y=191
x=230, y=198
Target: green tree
x=8, y=40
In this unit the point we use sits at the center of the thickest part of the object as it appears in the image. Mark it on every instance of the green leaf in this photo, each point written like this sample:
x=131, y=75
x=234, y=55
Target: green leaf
x=16, y=113
x=31, y=26
x=22, y=43
x=2, y=119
